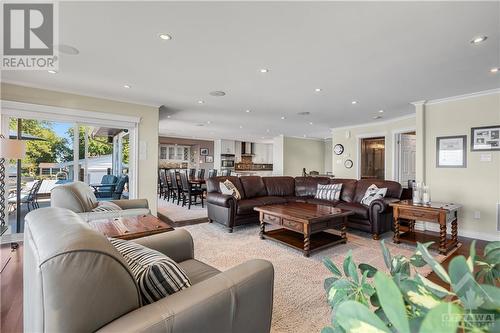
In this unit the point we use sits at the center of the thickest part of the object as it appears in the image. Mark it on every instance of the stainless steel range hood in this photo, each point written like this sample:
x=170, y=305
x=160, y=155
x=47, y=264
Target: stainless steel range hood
x=247, y=149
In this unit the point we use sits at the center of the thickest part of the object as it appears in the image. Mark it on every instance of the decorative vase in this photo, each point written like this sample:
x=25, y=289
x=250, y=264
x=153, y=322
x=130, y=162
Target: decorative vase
x=417, y=193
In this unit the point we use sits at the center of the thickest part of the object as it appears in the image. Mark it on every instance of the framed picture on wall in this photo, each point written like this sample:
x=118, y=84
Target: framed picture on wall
x=485, y=138
x=451, y=151
x=203, y=151
x=209, y=159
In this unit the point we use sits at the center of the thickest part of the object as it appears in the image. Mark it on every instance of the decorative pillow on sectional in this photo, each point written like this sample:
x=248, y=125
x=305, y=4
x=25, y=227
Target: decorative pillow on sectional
x=372, y=193
x=156, y=274
x=228, y=188
x=328, y=192
x=106, y=206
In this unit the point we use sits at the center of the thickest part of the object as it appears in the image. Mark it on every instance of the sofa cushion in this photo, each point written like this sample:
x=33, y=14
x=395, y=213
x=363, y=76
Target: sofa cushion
x=394, y=189
x=279, y=186
x=348, y=188
x=246, y=206
x=157, y=275
x=197, y=271
x=106, y=206
x=269, y=200
x=360, y=211
x=373, y=193
x=253, y=186
x=322, y=202
x=307, y=186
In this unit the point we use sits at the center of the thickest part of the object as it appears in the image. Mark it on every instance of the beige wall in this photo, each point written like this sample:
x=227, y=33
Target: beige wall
x=328, y=156
x=386, y=128
x=302, y=153
x=148, y=128
x=476, y=187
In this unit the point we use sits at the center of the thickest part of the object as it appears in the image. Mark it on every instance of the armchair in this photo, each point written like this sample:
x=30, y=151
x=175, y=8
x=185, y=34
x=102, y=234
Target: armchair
x=76, y=281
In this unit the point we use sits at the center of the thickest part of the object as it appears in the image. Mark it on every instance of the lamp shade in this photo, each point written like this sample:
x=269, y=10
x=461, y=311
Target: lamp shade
x=13, y=149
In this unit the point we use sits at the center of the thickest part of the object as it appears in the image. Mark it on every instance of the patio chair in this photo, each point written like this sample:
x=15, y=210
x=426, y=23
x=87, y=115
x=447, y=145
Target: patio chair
x=28, y=196
x=106, y=191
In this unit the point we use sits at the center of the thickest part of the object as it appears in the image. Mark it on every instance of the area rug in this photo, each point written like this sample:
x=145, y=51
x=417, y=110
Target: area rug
x=299, y=298
x=177, y=215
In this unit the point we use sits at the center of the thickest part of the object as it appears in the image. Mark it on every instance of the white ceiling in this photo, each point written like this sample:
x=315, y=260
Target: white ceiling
x=383, y=54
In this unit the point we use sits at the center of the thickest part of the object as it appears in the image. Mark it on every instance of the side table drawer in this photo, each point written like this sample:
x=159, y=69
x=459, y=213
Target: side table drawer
x=293, y=225
x=271, y=219
x=416, y=214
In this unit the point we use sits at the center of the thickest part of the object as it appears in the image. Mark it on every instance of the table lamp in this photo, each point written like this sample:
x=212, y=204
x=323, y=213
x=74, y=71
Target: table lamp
x=9, y=149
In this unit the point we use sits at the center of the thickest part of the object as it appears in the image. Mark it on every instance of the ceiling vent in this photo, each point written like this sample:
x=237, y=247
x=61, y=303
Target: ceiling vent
x=304, y=113
x=217, y=93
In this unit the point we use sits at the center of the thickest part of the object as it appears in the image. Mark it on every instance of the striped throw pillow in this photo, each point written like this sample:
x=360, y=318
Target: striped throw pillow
x=372, y=193
x=328, y=192
x=156, y=274
x=106, y=206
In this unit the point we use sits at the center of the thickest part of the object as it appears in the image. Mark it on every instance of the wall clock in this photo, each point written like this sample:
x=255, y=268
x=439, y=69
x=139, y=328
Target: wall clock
x=348, y=164
x=338, y=149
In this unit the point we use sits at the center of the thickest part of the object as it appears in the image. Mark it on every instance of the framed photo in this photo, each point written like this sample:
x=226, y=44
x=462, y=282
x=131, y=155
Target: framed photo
x=485, y=138
x=203, y=151
x=451, y=151
x=209, y=159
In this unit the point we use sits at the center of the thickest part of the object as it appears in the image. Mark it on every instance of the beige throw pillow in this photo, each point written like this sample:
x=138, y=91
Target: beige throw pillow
x=228, y=188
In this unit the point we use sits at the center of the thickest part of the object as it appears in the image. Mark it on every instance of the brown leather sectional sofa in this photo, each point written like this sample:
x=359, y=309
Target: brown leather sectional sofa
x=257, y=191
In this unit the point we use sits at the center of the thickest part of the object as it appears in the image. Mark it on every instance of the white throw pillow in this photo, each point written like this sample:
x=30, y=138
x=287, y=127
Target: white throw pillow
x=156, y=274
x=228, y=188
x=328, y=192
x=373, y=193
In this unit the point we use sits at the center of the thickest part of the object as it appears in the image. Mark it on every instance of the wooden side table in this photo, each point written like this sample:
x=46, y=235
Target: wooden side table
x=435, y=212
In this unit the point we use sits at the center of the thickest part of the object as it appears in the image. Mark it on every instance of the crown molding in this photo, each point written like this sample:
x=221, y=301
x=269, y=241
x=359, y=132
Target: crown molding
x=375, y=123
x=459, y=97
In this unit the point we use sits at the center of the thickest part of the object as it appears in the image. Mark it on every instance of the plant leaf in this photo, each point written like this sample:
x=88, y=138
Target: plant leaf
x=339, y=292
x=387, y=255
x=492, y=246
x=328, y=282
x=367, y=268
x=472, y=256
x=392, y=303
x=332, y=267
x=347, y=260
x=357, y=318
x=433, y=287
x=443, y=318
x=327, y=329
x=436, y=267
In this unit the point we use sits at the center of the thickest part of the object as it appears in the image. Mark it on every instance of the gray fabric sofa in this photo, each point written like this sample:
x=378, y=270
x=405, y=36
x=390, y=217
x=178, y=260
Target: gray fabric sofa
x=80, y=198
x=76, y=281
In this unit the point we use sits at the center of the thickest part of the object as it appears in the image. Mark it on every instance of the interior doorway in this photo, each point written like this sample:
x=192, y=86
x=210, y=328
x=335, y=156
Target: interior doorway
x=405, y=159
x=372, y=158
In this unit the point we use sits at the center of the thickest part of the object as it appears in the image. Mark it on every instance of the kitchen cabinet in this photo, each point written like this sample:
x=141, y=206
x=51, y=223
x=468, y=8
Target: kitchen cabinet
x=174, y=153
x=227, y=147
x=263, y=153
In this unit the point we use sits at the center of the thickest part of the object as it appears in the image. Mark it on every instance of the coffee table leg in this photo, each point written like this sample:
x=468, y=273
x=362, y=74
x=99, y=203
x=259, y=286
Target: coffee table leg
x=442, y=238
x=343, y=230
x=307, y=245
x=454, y=232
x=395, y=238
x=262, y=229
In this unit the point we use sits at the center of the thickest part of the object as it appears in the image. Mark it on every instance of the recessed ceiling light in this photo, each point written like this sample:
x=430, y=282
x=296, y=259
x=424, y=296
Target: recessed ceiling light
x=354, y=102
x=169, y=117
x=305, y=136
x=310, y=123
x=495, y=70
x=317, y=89
x=241, y=126
x=267, y=130
x=262, y=137
x=209, y=122
x=478, y=39
x=165, y=36
x=52, y=71
x=127, y=86
x=201, y=102
x=283, y=118
x=380, y=111
x=264, y=70
x=247, y=111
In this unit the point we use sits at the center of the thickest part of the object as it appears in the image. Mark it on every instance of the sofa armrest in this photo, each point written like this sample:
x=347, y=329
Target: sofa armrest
x=219, y=199
x=91, y=216
x=177, y=244
x=130, y=204
x=237, y=300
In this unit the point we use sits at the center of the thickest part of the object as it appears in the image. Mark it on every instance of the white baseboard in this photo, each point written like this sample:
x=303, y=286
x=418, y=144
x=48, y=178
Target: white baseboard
x=422, y=226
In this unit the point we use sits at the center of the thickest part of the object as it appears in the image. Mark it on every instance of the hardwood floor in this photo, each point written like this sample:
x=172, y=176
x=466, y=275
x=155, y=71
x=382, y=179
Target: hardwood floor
x=11, y=276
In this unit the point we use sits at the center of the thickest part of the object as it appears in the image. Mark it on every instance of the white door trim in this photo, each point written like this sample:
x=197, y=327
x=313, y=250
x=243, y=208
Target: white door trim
x=395, y=151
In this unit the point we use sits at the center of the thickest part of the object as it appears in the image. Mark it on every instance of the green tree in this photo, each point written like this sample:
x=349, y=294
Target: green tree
x=97, y=147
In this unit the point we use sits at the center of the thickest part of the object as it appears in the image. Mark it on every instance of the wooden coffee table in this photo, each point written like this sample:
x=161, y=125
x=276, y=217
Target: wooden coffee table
x=303, y=225
x=130, y=227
